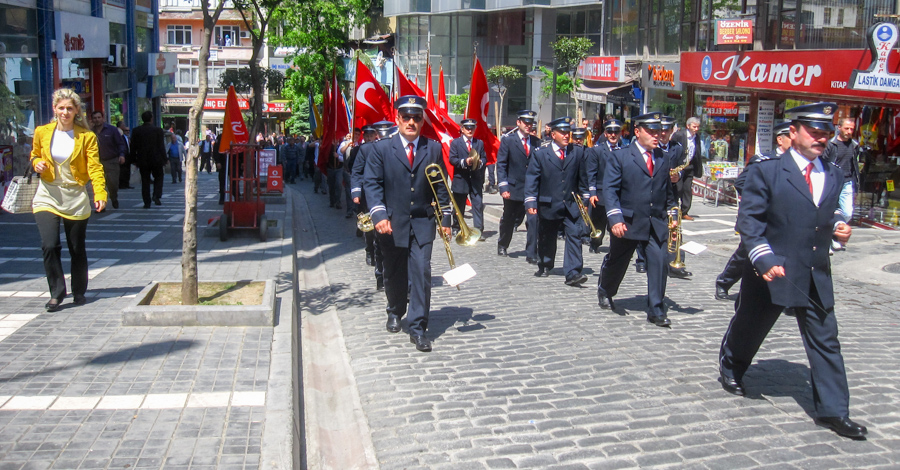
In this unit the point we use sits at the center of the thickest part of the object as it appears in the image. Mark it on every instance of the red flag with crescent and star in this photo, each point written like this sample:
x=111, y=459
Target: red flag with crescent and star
x=477, y=109
x=371, y=102
x=235, y=129
x=443, y=110
x=432, y=127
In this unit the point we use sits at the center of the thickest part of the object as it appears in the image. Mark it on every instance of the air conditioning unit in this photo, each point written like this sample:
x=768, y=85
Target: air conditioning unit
x=118, y=55
x=245, y=34
x=185, y=48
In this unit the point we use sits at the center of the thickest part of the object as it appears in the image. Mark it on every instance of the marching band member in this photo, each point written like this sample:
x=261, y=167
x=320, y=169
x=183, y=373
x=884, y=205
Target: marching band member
x=554, y=175
x=401, y=197
x=788, y=216
x=596, y=158
x=675, y=154
x=515, y=151
x=468, y=182
x=638, y=193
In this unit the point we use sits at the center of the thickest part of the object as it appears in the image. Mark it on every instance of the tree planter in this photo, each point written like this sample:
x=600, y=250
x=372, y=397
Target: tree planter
x=141, y=313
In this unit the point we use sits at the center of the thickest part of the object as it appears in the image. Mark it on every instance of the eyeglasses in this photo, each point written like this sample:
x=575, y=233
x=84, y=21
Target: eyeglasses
x=415, y=118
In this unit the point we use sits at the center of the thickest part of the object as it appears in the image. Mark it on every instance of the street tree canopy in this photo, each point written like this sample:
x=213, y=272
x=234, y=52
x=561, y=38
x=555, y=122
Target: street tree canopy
x=570, y=51
x=272, y=80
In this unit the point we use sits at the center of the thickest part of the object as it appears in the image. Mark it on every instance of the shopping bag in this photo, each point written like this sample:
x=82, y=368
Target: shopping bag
x=20, y=193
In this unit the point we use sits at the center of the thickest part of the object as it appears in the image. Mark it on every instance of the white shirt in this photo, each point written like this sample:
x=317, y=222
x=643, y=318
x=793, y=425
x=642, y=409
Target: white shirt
x=643, y=151
x=817, y=177
x=690, y=145
x=406, y=143
x=557, y=148
x=62, y=146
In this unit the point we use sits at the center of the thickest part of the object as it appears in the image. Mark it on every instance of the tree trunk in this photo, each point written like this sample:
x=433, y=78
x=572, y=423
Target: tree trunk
x=189, y=280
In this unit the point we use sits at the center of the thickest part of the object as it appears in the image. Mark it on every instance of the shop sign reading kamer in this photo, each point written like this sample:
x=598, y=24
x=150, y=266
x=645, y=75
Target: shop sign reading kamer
x=882, y=38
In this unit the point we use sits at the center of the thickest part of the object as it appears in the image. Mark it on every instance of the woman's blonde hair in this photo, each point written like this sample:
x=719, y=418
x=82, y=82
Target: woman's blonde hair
x=69, y=94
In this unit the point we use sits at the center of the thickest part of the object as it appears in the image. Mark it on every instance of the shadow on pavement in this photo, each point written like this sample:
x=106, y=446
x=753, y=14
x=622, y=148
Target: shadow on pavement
x=439, y=321
x=318, y=300
x=780, y=378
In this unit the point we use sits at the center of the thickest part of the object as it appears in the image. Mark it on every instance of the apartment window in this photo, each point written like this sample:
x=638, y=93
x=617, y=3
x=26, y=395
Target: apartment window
x=827, y=19
x=179, y=35
x=228, y=36
x=840, y=17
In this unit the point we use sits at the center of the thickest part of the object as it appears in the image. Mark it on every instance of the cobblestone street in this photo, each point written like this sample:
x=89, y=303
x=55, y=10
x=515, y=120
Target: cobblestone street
x=529, y=373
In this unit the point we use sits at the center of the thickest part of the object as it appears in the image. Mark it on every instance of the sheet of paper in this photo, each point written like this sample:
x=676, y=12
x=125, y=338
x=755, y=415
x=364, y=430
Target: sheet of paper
x=461, y=274
x=693, y=248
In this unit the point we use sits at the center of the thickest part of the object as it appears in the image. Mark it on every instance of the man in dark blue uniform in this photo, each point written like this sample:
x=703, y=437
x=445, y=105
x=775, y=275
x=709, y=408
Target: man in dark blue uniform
x=638, y=193
x=787, y=219
x=357, y=167
x=516, y=149
x=578, y=135
x=675, y=154
x=734, y=268
x=468, y=173
x=555, y=175
x=596, y=158
x=400, y=197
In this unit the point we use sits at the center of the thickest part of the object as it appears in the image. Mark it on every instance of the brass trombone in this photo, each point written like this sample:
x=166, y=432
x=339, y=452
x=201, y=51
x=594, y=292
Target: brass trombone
x=467, y=236
x=674, y=244
x=595, y=233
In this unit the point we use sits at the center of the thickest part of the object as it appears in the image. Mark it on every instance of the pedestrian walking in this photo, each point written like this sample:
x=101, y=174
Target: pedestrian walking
x=112, y=149
x=148, y=151
x=175, y=154
x=125, y=168
x=66, y=155
x=206, y=146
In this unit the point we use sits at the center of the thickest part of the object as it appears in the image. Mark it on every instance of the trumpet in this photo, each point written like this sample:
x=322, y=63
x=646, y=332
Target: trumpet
x=364, y=222
x=595, y=233
x=467, y=236
x=674, y=244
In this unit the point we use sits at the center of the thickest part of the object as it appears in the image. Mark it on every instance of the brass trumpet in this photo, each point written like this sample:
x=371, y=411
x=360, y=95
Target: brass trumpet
x=595, y=233
x=467, y=236
x=364, y=222
x=674, y=244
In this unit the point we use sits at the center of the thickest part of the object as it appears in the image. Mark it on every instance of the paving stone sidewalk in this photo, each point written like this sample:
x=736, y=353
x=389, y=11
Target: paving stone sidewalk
x=529, y=373
x=78, y=390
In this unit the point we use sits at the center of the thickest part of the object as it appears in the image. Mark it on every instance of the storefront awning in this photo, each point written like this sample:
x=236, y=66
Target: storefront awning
x=213, y=117
x=597, y=94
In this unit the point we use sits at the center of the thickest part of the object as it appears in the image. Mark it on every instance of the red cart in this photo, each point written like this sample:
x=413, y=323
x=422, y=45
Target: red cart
x=243, y=210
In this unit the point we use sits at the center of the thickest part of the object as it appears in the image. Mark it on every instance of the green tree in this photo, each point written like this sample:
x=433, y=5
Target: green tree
x=257, y=15
x=502, y=76
x=458, y=103
x=565, y=85
x=272, y=80
x=569, y=52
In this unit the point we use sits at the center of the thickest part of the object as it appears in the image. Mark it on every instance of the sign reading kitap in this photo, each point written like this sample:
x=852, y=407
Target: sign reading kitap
x=797, y=72
x=734, y=32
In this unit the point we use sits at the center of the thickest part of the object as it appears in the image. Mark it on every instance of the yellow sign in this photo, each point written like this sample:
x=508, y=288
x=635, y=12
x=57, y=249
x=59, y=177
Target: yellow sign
x=890, y=185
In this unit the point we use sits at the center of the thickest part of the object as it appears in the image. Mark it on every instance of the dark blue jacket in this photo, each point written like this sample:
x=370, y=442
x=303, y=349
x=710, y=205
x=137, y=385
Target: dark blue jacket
x=595, y=166
x=110, y=143
x=636, y=198
x=402, y=194
x=781, y=226
x=512, y=163
x=464, y=178
x=358, y=168
x=550, y=182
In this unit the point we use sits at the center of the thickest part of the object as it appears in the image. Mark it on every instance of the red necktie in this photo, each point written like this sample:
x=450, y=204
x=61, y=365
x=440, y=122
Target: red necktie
x=525, y=144
x=410, y=155
x=562, y=154
x=469, y=145
x=809, y=169
x=650, y=163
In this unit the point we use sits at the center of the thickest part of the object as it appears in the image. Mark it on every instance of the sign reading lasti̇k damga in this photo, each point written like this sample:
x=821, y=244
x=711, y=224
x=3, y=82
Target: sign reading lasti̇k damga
x=882, y=38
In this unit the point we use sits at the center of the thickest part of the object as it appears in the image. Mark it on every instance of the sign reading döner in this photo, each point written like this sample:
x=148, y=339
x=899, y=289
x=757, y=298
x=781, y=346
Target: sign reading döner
x=802, y=72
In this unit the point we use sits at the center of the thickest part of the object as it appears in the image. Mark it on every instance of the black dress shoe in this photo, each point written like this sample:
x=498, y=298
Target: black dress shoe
x=79, y=299
x=481, y=238
x=422, y=343
x=576, y=280
x=501, y=251
x=721, y=293
x=530, y=260
x=731, y=385
x=843, y=426
x=146, y=206
x=393, y=323
x=790, y=312
x=660, y=321
x=606, y=303
x=115, y=204
x=52, y=305
x=679, y=273
x=640, y=267
x=370, y=259
x=542, y=272
x=157, y=201
x=379, y=283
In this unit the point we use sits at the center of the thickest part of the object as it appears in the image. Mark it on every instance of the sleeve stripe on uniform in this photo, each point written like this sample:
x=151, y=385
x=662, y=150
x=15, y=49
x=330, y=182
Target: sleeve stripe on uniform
x=355, y=189
x=759, y=251
x=503, y=183
x=375, y=209
x=530, y=199
x=612, y=212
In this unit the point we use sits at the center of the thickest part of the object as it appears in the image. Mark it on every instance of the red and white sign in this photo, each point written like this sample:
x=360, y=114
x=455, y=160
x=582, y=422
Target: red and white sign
x=277, y=108
x=604, y=69
x=798, y=72
x=720, y=108
x=267, y=160
x=219, y=103
x=734, y=32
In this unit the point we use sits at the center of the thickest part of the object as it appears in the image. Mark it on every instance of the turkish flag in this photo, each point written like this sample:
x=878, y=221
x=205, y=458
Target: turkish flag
x=477, y=109
x=442, y=109
x=372, y=103
x=429, y=90
x=432, y=127
x=337, y=122
x=235, y=131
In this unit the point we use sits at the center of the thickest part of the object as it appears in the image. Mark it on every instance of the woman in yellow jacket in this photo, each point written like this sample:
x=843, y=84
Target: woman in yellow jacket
x=65, y=154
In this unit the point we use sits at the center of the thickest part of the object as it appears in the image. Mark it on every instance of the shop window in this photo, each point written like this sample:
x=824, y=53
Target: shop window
x=179, y=35
x=227, y=36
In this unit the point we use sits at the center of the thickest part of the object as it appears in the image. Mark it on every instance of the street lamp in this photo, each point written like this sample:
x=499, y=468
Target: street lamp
x=538, y=75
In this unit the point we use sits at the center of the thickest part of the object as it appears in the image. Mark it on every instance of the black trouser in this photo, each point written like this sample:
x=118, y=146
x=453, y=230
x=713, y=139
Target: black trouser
x=615, y=264
x=513, y=214
x=734, y=268
x=223, y=175
x=205, y=162
x=111, y=175
x=175, y=169
x=477, y=201
x=407, y=275
x=572, y=256
x=155, y=175
x=124, y=175
x=754, y=316
x=76, y=230
x=598, y=218
x=685, y=192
